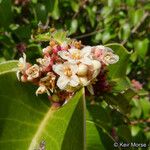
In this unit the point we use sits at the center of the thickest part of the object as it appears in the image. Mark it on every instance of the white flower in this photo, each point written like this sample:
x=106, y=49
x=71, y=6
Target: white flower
x=76, y=56
x=104, y=54
x=22, y=66
x=22, y=62
x=44, y=62
x=67, y=73
x=33, y=72
x=110, y=58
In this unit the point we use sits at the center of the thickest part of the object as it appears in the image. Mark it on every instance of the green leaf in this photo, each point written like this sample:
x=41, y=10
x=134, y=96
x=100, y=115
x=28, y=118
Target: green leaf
x=130, y=2
x=42, y=37
x=136, y=109
x=119, y=102
x=23, y=32
x=27, y=120
x=56, y=12
x=8, y=65
x=121, y=84
x=5, y=13
x=141, y=46
x=107, y=35
x=74, y=26
x=125, y=32
x=117, y=72
x=91, y=15
x=124, y=133
x=41, y=12
x=145, y=105
x=98, y=138
x=135, y=15
x=60, y=36
x=74, y=5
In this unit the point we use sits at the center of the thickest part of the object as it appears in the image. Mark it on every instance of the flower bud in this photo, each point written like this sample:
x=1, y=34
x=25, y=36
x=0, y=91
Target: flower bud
x=55, y=98
x=96, y=64
x=47, y=49
x=82, y=70
x=23, y=78
x=83, y=81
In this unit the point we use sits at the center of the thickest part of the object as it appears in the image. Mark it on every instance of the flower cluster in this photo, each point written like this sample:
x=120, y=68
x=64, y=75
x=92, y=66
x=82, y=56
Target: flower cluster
x=65, y=67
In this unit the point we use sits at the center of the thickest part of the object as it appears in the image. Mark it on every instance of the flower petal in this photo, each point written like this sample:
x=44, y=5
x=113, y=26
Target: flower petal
x=86, y=51
x=62, y=82
x=86, y=61
x=74, y=68
x=73, y=50
x=63, y=54
x=74, y=81
x=90, y=89
x=58, y=68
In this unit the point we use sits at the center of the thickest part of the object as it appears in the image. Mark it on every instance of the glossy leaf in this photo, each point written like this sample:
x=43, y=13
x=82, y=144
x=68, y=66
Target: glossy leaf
x=41, y=12
x=117, y=72
x=98, y=138
x=5, y=13
x=27, y=120
x=141, y=47
x=8, y=66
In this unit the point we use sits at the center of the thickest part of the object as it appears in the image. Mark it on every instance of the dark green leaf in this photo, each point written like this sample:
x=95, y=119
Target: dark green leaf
x=41, y=12
x=96, y=123
x=141, y=46
x=6, y=15
x=27, y=120
x=117, y=72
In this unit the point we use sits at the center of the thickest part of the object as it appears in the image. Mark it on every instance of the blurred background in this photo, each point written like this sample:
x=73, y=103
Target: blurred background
x=93, y=22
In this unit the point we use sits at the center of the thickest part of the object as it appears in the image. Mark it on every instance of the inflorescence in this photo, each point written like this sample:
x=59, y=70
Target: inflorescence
x=66, y=67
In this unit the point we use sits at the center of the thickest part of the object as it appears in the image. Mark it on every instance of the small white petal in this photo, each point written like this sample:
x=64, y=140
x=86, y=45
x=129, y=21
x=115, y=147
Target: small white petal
x=58, y=68
x=18, y=75
x=86, y=61
x=90, y=89
x=74, y=68
x=24, y=56
x=84, y=81
x=73, y=50
x=74, y=81
x=114, y=59
x=63, y=54
x=109, y=49
x=96, y=72
x=62, y=82
x=86, y=51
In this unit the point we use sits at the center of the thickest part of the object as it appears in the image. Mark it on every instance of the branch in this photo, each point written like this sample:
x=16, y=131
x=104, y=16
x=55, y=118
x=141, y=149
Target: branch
x=88, y=34
x=137, y=26
x=135, y=122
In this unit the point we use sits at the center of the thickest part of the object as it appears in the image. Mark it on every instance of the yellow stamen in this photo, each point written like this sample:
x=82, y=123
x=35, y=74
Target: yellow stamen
x=67, y=71
x=76, y=55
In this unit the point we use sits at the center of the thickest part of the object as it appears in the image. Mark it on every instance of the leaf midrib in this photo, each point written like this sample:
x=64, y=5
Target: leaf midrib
x=40, y=129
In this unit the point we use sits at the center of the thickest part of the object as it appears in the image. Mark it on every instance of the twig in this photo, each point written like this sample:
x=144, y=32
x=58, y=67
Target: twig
x=139, y=24
x=139, y=121
x=136, y=27
x=88, y=34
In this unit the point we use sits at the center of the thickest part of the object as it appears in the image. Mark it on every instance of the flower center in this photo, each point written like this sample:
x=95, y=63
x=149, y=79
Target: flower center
x=67, y=71
x=76, y=55
x=107, y=57
x=21, y=66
